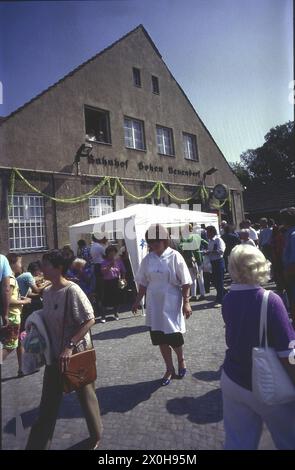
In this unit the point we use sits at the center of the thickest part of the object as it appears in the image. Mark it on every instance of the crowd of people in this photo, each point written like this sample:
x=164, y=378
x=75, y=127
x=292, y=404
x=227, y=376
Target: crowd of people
x=99, y=279
x=276, y=241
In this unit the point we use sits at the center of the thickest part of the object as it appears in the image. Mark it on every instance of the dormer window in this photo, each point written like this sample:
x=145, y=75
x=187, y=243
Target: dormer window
x=136, y=77
x=155, y=85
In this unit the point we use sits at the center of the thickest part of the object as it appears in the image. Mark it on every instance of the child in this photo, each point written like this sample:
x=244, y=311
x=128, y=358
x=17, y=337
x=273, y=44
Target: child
x=10, y=340
x=112, y=269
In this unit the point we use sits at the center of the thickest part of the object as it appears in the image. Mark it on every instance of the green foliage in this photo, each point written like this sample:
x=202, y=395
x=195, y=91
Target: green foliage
x=241, y=172
x=273, y=161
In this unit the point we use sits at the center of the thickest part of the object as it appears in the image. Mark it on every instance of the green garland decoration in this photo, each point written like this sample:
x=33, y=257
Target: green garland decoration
x=159, y=186
x=72, y=200
x=138, y=198
x=176, y=198
x=11, y=190
x=219, y=206
x=203, y=193
x=113, y=191
x=159, y=190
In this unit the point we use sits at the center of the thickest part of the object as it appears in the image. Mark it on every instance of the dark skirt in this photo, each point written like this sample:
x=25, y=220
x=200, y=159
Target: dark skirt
x=112, y=294
x=172, y=339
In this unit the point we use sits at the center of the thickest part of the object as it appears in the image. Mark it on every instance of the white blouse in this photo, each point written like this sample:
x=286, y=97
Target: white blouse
x=163, y=276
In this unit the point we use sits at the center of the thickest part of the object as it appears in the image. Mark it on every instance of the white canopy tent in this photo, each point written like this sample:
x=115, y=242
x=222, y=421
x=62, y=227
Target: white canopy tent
x=132, y=222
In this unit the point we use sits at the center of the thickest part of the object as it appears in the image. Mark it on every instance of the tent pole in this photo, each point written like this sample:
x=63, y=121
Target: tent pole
x=142, y=307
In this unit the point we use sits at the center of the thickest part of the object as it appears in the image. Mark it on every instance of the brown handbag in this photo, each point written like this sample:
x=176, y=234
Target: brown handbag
x=80, y=371
x=81, y=368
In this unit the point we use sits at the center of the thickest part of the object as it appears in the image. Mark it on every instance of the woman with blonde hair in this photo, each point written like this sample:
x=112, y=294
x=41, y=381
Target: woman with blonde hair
x=242, y=412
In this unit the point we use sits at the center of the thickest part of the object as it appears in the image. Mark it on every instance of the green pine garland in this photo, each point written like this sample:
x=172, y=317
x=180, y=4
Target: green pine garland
x=159, y=186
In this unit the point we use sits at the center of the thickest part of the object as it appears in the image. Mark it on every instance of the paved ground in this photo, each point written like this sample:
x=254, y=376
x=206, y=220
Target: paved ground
x=137, y=413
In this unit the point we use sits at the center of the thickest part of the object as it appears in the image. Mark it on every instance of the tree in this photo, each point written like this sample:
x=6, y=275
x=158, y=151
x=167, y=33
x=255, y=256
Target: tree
x=273, y=161
x=241, y=172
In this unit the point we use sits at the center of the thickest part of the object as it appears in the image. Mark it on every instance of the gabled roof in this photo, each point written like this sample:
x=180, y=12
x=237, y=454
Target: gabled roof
x=139, y=27
x=144, y=31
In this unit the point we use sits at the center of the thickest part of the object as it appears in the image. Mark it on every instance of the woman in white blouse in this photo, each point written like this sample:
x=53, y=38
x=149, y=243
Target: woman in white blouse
x=164, y=278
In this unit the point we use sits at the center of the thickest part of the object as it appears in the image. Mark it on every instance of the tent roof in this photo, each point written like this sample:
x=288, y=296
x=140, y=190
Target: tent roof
x=168, y=216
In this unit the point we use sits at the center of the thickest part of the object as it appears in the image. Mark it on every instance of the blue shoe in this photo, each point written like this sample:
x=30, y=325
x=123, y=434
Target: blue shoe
x=166, y=381
x=182, y=373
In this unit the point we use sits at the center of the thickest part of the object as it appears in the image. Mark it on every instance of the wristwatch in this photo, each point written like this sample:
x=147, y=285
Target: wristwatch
x=71, y=345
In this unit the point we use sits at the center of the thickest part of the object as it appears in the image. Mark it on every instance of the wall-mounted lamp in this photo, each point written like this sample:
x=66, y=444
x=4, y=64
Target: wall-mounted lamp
x=83, y=151
x=210, y=171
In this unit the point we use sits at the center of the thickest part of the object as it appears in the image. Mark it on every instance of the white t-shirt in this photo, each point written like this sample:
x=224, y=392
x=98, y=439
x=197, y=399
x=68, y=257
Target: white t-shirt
x=252, y=234
x=97, y=252
x=217, y=246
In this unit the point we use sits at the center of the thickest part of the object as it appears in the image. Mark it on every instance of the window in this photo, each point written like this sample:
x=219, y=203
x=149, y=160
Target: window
x=165, y=141
x=190, y=147
x=155, y=85
x=99, y=206
x=134, y=135
x=136, y=77
x=27, y=223
x=97, y=125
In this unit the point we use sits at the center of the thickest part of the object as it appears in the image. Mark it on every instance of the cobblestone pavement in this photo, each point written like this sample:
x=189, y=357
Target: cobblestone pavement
x=137, y=412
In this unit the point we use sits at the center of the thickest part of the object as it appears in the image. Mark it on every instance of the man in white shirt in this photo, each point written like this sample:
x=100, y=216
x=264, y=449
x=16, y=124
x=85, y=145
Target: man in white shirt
x=97, y=249
x=97, y=252
x=216, y=248
x=244, y=235
x=252, y=233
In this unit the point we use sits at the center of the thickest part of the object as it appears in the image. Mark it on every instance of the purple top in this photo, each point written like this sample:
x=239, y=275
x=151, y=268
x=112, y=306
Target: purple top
x=241, y=314
x=115, y=271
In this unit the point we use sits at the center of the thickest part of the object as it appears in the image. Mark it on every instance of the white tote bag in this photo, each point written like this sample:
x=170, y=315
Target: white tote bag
x=207, y=266
x=270, y=382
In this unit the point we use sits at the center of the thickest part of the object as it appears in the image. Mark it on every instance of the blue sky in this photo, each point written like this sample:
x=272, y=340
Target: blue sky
x=233, y=58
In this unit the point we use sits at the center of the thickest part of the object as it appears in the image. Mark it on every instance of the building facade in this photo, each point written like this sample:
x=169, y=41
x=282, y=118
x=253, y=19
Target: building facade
x=121, y=115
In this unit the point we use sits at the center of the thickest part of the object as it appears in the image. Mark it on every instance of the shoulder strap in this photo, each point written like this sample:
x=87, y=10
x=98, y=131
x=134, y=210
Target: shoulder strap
x=64, y=317
x=64, y=320
x=263, y=319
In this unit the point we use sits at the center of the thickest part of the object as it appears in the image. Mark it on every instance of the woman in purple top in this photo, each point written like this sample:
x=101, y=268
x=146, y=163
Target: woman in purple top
x=112, y=269
x=81, y=274
x=243, y=414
